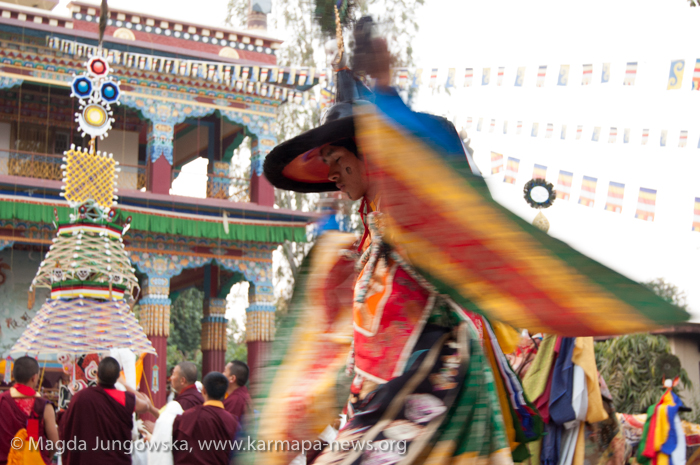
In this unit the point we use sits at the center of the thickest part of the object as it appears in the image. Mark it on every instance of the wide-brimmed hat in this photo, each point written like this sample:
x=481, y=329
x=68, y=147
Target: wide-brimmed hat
x=296, y=164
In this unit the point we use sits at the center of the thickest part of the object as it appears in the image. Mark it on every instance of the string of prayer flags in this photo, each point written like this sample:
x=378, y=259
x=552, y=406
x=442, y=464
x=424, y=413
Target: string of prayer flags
x=417, y=78
x=588, y=187
x=301, y=77
x=596, y=132
x=564, y=184
x=231, y=74
x=587, y=75
x=468, y=77
x=450, y=78
x=563, y=75
x=326, y=98
x=630, y=74
x=646, y=204
x=696, y=215
x=616, y=193
x=541, y=75
x=675, y=76
x=539, y=172
x=486, y=77
x=496, y=162
x=292, y=76
x=312, y=100
x=605, y=73
x=511, y=170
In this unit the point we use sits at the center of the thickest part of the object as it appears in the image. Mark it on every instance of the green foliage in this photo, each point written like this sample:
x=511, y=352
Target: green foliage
x=186, y=328
x=669, y=292
x=236, y=348
x=325, y=14
x=628, y=365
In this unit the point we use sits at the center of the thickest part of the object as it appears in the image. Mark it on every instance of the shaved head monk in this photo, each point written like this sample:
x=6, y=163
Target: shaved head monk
x=22, y=408
x=183, y=382
x=207, y=422
x=100, y=419
x=238, y=401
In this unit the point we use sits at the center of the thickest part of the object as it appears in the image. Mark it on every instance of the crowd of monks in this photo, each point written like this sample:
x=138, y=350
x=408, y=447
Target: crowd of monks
x=197, y=426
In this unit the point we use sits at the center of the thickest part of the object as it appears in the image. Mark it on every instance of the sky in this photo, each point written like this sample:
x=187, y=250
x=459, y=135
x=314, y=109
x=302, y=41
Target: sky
x=511, y=34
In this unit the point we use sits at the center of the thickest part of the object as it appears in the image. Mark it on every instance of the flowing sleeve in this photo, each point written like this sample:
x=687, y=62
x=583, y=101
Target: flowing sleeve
x=471, y=248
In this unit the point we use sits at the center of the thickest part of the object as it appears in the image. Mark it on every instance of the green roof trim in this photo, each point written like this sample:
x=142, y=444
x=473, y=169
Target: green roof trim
x=42, y=213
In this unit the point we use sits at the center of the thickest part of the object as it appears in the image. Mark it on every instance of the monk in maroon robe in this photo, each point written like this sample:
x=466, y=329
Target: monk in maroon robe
x=183, y=382
x=22, y=407
x=206, y=424
x=238, y=402
x=99, y=420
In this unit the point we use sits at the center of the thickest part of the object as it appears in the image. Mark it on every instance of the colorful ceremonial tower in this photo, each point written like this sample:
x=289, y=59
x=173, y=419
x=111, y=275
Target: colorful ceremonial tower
x=186, y=92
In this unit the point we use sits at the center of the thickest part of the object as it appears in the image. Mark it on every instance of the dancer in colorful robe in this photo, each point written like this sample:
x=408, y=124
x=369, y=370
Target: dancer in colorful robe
x=436, y=251
x=25, y=414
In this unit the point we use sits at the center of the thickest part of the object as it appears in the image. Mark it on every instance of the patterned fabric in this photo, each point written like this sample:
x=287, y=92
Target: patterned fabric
x=388, y=321
x=444, y=403
x=483, y=256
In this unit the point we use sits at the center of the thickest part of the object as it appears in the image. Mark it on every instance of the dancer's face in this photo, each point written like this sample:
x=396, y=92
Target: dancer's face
x=346, y=171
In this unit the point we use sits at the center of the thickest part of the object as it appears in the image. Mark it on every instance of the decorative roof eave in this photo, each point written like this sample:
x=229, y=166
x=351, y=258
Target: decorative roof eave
x=143, y=18
x=19, y=208
x=34, y=17
x=173, y=205
x=187, y=36
x=66, y=26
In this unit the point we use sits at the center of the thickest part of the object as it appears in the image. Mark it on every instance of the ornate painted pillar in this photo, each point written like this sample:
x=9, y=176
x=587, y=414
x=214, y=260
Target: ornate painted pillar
x=219, y=182
x=159, y=153
x=214, y=340
x=260, y=327
x=214, y=322
x=155, y=320
x=261, y=191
